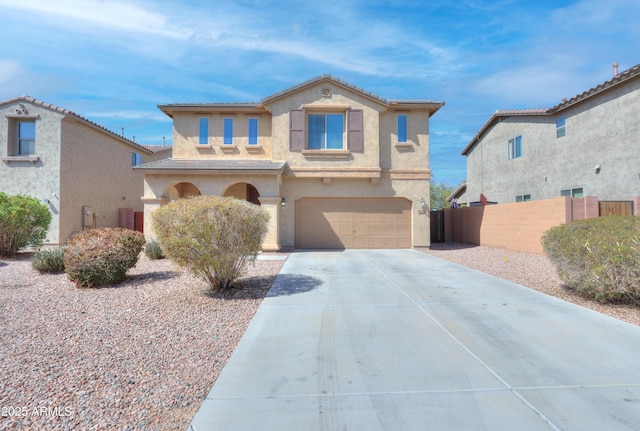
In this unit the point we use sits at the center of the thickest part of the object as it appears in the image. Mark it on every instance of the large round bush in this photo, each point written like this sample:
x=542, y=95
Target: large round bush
x=212, y=237
x=598, y=257
x=24, y=221
x=98, y=257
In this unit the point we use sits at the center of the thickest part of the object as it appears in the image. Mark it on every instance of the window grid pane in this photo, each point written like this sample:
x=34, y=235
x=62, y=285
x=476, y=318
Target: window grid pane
x=253, y=131
x=228, y=131
x=203, y=131
x=402, y=128
x=335, y=128
x=316, y=135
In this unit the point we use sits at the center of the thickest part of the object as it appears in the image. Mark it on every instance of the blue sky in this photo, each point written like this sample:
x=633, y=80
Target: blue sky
x=114, y=61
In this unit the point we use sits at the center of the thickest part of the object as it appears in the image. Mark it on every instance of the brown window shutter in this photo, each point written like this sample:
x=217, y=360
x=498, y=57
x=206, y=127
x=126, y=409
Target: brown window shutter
x=355, y=133
x=296, y=130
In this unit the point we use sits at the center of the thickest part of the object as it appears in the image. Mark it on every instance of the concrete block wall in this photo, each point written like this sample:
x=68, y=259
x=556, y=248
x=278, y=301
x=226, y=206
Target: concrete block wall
x=515, y=226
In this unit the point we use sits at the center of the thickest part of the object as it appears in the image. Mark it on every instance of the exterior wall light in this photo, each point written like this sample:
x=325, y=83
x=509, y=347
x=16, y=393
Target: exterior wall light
x=422, y=202
x=283, y=202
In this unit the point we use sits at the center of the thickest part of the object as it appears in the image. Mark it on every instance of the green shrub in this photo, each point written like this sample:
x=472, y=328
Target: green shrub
x=98, y=257
x=599, y=257
x=50, y=261
x=153, y=250
x=24, y=221
x=210, y=236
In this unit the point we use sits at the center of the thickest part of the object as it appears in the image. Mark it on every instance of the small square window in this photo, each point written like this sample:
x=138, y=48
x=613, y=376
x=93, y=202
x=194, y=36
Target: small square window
x=523, y=198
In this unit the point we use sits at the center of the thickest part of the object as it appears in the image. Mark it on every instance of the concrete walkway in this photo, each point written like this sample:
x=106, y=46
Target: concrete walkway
x=399, y=340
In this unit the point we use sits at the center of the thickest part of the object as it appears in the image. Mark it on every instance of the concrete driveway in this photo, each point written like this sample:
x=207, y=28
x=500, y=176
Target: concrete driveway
x=400, y=340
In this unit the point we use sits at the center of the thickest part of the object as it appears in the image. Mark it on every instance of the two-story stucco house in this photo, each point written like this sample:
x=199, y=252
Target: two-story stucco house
x=333, y=164
x=586, y=145
x=81, y=170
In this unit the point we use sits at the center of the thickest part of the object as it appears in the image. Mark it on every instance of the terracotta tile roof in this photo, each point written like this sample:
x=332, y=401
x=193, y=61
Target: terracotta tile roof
x=82, y=119
x=565, y=104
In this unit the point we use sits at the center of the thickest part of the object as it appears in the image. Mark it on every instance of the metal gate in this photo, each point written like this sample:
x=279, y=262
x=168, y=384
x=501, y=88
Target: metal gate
x=437, y=226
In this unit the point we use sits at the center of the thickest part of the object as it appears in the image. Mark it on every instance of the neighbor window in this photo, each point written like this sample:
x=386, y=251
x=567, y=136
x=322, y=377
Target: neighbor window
x=228, y=131
x=253, y=131
x=523, y=198
x=515, y=147
x=203, y=131
x=136, y=159
x=574, y=193
x=561, y=128
x=325, y=132
x=402, y=128
x=26, y=138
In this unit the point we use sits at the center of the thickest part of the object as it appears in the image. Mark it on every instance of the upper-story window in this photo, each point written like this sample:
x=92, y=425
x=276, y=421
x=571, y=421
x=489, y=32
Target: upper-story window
x=561, y=128
x=523, y=198
x=228, y=131
x=253, y=131
x=325, y=131
x=515, y=147
x=402, y=128
x=26, y=138
x=136, y=159
x=203, y=130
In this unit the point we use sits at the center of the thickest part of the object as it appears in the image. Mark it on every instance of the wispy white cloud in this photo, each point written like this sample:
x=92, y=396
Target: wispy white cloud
x=111, y=14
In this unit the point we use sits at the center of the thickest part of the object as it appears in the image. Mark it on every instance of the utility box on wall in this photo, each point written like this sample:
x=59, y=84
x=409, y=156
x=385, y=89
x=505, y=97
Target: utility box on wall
x=87, y=216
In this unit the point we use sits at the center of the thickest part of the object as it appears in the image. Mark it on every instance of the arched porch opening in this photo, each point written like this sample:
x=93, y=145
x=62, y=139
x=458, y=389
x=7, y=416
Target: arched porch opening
x=181, y=191
x=244, y=191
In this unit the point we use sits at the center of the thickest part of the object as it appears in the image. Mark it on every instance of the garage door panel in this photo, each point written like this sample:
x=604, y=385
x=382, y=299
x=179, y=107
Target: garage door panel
x=353, y=223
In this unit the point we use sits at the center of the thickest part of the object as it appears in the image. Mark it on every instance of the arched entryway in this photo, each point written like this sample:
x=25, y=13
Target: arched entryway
x=244, y=191
x=181, y=191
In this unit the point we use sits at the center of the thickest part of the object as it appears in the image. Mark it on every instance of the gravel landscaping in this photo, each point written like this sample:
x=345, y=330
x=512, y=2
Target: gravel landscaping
x=531, y=270
x=145, y=353
x=141, y=355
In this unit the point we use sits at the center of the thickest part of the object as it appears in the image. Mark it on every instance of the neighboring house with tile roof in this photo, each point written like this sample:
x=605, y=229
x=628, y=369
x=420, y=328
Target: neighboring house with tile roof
x=586, y=145
x=80, y=169
x=334, y=165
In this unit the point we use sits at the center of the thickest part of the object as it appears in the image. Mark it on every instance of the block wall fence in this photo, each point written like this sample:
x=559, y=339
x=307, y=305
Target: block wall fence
x=517, y=226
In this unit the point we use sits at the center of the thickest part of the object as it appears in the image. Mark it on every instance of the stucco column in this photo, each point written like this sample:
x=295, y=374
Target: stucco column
x=421, y=223
x=150, y=205
x=272, y=206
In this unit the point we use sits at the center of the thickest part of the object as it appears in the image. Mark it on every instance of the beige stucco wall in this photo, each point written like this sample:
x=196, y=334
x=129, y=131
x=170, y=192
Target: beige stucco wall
x=186, y=136
x=42, y=178
x=96, y=172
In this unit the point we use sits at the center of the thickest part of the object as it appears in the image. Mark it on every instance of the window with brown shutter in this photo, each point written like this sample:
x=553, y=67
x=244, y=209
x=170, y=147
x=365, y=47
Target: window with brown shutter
x=355, y=133
x=296, y=130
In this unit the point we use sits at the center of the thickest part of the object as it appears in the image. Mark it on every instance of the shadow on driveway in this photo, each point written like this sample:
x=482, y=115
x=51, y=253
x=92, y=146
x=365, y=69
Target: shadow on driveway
x=292, y=284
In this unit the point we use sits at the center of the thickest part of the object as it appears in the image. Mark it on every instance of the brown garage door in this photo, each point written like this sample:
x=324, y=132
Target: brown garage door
x=353, y=223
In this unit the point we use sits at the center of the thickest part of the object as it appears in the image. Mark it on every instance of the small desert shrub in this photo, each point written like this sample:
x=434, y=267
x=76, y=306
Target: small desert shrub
x=24, y=221
x=211, y=236
x=98, y=257
x=49, y=261
x=153, y=250
x=599, y=257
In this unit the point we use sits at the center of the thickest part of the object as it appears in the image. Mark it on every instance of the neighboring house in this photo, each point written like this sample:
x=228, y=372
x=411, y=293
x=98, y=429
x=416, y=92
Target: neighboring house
x=333, y=164
x=81, y=170
x=587, y=145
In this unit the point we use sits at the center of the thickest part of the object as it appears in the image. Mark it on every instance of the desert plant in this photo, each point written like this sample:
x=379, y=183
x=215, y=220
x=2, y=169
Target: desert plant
x=98, y=257
x=599, y=257
x=212, y=237
x=153, y=250
x=24, y=221
x=49, y=261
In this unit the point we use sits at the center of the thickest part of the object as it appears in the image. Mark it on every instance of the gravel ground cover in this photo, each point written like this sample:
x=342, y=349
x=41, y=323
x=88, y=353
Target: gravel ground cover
x=531, y=270
x=140, y=355
x=144, y=354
